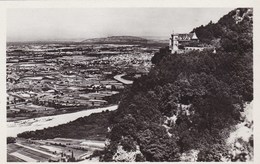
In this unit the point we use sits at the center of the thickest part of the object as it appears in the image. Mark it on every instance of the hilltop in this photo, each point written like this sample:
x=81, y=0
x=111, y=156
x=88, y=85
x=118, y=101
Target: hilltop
x=236, y=27
x=120, y=40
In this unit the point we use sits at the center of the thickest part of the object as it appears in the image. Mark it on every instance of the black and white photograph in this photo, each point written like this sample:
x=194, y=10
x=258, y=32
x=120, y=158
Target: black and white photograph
x=132, y=84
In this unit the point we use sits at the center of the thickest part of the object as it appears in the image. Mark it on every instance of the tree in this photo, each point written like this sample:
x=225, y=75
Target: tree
x=11, y=140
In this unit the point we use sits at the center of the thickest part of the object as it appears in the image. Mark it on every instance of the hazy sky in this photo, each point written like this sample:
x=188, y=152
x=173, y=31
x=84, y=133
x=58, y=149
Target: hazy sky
x=64, y=24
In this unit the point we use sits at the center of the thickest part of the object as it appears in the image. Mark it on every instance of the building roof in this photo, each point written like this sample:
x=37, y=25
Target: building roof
x=187, y=36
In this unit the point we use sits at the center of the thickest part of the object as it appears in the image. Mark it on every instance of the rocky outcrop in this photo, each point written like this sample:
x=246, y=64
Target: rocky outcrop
x=240, y=141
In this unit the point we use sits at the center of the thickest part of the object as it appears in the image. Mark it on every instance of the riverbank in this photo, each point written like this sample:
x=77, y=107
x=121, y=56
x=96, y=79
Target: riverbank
x=57, y=112
x=16, y=127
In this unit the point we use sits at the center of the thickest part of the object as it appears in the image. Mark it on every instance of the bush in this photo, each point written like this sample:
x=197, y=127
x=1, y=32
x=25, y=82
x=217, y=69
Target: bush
x=11, y=140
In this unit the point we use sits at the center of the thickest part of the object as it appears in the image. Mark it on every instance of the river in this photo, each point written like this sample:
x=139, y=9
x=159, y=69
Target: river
x=16, y=127
x=124, y=81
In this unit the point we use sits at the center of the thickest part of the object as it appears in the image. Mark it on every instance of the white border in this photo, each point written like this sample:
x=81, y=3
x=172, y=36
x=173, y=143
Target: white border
x=129, y=4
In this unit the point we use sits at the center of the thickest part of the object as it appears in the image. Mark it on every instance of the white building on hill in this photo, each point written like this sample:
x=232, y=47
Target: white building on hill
x=180, y=43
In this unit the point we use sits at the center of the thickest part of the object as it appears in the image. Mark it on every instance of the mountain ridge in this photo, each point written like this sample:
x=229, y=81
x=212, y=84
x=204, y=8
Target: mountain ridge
x=122, y=39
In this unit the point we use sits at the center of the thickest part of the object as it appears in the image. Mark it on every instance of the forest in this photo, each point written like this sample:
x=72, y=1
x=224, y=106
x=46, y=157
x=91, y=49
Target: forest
x=93, y=126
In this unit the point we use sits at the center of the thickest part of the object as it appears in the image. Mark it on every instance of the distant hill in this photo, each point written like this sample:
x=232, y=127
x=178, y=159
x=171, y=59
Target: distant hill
x=121, y=40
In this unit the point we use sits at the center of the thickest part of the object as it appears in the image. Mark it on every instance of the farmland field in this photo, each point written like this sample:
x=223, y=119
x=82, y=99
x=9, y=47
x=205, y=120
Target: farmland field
x=11, y=158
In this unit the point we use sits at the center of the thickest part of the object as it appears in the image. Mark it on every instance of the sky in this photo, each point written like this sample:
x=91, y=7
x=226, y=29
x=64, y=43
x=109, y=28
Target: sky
x=41, y=24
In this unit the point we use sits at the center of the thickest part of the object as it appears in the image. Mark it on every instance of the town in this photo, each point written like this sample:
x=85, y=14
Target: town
x=49, y=79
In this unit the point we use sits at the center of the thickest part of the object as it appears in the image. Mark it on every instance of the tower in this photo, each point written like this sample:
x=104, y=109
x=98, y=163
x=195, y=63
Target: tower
x=174, y=43
x=194, y=37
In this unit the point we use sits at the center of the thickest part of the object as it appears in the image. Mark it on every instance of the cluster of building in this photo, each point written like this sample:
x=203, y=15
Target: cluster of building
x=180, y=43
x=69, y=77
